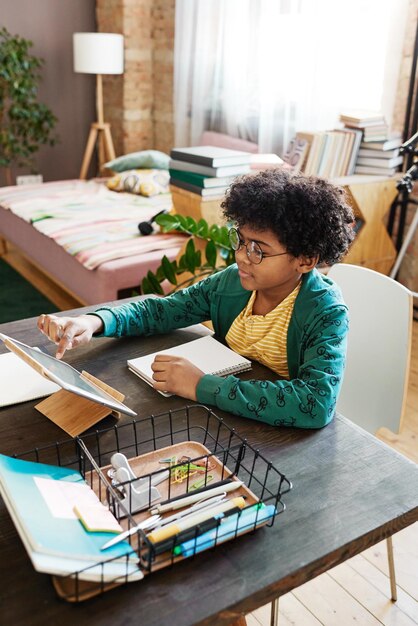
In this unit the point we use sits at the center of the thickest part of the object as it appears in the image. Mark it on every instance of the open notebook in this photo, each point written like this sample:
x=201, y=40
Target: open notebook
x=209, y=355
x=19, y=382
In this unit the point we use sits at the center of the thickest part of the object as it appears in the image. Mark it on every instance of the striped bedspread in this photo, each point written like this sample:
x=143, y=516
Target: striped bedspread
x=89, y=221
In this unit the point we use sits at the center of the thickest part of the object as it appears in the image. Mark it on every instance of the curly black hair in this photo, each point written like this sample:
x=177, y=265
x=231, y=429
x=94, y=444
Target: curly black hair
x=309, y=216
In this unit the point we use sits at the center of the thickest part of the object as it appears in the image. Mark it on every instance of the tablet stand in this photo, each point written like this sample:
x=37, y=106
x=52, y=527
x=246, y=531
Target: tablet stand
x=75, y=414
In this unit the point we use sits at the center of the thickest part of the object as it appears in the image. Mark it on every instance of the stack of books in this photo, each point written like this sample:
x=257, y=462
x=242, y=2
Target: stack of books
x=330, y=153
x=206, y=170
x=199, y=177
x=371, y=123
x=380, y=157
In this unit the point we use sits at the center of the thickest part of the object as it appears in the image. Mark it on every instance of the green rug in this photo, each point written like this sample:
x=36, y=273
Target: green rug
x=18, y=299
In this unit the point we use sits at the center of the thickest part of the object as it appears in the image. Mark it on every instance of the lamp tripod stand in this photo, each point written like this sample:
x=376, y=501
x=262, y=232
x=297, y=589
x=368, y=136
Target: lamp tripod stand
x=99, y=134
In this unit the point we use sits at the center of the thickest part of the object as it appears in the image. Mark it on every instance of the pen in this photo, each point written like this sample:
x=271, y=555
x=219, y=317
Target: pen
x=180, y=501
x=229, y=528
x=190, y=533
x=193, y=520
x=202, y=504
x=148, y=523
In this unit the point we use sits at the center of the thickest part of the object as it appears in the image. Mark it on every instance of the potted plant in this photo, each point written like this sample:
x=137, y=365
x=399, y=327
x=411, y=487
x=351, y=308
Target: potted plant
x=25, y=123
x=213, y=242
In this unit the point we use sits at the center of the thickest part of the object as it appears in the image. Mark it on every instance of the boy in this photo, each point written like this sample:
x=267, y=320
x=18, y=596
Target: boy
x=272, y=305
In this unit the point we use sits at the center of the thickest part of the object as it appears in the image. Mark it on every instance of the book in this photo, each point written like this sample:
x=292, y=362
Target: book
x=200, y=180
x=315, y=153
x=380, y=171
x=19, y=382
x=394, y=140
x=265, y=161
x=382, y=155
x=40, y=499
x=206, y=353
x=202, y=191
x=186, y=166
x=296, y=153
x=361, y=117
x=386, y=163
x=379, y=135
x=354, y=151
x=212, y=156
x=346, y=140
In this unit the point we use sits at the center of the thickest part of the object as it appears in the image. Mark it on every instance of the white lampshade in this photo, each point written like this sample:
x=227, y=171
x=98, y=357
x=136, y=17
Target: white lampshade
x=98, y=53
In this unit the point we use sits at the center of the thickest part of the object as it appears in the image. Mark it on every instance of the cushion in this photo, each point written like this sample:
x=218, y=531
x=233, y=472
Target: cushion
x=143, y=182
x=147, y=159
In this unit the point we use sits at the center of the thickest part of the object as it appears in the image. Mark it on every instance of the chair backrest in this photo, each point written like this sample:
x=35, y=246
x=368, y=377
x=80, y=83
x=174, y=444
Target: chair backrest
x=379, y=347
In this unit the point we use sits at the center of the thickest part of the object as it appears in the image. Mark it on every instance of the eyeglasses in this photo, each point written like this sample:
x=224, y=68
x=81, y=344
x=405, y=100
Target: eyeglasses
x=254, y=252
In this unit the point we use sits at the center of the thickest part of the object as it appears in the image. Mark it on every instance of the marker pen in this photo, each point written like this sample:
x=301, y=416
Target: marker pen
x=165, y=532
x=232, y=526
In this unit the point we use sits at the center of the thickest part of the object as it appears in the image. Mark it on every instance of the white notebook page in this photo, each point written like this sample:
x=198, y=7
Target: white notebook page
x=209, y=355
x=19, y=382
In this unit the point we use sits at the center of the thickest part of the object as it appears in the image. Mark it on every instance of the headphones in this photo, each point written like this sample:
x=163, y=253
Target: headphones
x=145, y=228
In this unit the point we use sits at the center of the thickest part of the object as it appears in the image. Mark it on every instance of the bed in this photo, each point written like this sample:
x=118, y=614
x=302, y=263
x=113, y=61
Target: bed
x=84, y=236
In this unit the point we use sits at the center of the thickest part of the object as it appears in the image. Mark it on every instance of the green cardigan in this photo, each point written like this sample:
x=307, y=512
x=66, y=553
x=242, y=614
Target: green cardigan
x=316, y=346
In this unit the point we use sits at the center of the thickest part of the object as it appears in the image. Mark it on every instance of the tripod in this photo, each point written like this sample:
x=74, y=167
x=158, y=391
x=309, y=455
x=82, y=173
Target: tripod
x=99, y=131
x=405, y=186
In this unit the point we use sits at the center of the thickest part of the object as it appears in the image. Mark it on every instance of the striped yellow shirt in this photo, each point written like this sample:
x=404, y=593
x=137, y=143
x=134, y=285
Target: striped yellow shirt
x=264, y=337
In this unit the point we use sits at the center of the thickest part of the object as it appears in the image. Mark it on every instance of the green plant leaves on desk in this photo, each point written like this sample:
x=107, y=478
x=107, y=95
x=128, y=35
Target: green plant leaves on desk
x=218, y=254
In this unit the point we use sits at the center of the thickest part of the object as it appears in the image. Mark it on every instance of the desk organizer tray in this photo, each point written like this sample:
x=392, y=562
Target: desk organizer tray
x=193, y=451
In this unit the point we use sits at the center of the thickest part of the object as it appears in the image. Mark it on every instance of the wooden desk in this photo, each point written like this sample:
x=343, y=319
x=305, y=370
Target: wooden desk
x=349, y=492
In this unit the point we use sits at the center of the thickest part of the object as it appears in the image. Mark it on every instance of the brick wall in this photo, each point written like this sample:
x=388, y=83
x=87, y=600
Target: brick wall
x=139, y=104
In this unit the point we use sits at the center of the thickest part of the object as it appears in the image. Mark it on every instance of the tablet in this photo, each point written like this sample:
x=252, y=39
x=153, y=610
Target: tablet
x=63, y=374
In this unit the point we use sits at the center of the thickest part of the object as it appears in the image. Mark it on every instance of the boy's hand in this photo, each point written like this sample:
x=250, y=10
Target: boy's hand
x=69, y=332
x=176, y=375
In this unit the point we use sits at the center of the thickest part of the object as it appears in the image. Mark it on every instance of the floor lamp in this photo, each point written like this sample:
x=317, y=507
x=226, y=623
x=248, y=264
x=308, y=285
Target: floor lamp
x=98, y=53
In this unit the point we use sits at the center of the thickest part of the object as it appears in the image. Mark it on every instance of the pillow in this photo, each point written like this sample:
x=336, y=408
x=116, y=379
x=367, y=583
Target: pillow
x=142, y=182
x=136, y=160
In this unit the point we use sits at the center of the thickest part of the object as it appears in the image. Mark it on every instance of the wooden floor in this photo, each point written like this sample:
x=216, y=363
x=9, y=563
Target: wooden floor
x=357, y=591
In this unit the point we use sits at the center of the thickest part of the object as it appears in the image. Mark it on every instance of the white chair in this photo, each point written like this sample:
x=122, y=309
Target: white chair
x=379, y=347
x=376, y=376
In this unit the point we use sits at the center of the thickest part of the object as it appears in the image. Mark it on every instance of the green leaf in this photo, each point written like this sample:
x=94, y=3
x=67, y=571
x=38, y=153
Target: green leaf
x=160, y=274
x=190, y=256
x=191, y=225
x=155, y=285
x=214, y=232
x=167, y=222
x=182, y=263
x=182, y=221
x=211, y=253
x=202, y=229
x=169, y=270
x=146, y=286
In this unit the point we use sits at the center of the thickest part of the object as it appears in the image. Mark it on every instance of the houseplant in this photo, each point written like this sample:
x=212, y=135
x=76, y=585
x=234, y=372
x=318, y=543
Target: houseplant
x=25, y=123
x=192, y=266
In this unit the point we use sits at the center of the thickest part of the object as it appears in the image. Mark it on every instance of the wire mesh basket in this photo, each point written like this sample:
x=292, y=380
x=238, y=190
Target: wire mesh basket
x=188, y=451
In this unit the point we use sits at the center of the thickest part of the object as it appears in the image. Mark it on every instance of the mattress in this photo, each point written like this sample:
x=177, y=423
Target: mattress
x=115, y=257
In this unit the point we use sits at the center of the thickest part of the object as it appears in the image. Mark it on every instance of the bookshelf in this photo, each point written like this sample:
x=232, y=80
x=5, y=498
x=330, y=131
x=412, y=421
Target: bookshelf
x=370, y=197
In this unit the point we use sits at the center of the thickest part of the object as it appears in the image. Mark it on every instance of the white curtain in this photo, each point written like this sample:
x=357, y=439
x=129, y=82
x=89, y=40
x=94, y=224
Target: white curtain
x=264, y=69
